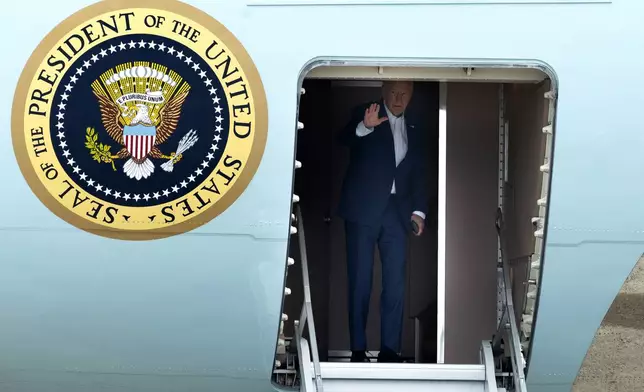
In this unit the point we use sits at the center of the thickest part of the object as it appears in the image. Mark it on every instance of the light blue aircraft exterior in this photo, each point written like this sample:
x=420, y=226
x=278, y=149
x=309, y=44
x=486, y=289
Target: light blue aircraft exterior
x=201, y=311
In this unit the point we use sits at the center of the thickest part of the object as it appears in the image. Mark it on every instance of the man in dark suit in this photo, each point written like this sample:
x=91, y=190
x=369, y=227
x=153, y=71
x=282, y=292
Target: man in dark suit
x=384, y=197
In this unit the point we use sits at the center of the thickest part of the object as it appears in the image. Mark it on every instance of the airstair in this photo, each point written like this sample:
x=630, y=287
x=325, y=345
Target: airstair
x=500, y=368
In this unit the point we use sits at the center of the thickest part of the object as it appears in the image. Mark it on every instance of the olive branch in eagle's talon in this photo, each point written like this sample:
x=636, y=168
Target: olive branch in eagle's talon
x=100, y=152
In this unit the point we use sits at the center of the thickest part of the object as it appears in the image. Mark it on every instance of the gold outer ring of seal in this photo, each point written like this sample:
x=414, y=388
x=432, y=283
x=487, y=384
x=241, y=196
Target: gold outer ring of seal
x=237, y=49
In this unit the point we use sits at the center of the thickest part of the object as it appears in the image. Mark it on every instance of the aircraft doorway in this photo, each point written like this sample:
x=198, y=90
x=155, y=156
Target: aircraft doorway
x=488, y=145
x=326, y=110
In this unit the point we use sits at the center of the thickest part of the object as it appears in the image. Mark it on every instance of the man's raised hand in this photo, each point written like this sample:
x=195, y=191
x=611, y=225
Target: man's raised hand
x=371, y=118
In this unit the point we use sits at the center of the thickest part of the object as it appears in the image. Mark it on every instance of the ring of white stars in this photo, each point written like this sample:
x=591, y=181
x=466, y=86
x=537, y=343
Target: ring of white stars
x=161, y=194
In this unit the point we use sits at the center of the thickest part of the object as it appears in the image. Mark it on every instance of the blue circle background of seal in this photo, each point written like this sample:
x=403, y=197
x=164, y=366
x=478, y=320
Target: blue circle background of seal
x=75, y=108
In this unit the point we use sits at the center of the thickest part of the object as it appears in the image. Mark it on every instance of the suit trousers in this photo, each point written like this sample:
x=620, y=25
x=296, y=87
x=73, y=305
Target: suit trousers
x=391, y=237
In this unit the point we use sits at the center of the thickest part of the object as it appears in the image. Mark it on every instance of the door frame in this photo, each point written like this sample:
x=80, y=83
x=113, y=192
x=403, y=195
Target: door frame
x=443, y=71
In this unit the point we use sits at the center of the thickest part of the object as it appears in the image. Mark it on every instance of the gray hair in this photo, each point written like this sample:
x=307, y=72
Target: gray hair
x=388, y=84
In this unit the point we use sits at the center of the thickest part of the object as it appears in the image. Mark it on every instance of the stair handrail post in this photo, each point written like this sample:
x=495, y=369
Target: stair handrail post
x=307, y=309
x=509, y=322
x=487, y=358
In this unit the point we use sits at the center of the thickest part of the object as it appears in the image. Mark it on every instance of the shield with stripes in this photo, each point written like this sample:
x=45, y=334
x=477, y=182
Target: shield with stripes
x=139, y=139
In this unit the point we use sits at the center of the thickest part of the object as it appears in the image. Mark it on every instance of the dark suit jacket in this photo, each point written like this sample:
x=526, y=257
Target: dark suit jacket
x=372, y=169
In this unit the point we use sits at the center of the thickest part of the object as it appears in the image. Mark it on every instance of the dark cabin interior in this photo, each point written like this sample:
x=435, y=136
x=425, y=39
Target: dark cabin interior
x=324, y=111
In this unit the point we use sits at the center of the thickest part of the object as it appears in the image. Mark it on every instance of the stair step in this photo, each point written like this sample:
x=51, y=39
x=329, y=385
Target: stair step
x=402, y=371
x=401, y=386
x=381, y=377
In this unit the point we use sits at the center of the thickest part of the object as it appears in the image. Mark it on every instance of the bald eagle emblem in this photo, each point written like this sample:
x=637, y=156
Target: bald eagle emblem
x=140, y=106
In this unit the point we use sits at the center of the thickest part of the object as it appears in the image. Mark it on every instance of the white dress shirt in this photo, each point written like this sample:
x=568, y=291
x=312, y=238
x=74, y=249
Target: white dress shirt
x=399, y=131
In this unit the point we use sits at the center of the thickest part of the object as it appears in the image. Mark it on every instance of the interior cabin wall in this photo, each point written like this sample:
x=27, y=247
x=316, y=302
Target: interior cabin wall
x=471, y=203
x=527, y=114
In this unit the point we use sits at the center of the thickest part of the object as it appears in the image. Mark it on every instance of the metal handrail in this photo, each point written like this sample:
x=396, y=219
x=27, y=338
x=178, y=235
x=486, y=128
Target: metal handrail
x=508, y=321
x=306, y=316
x=487, y=358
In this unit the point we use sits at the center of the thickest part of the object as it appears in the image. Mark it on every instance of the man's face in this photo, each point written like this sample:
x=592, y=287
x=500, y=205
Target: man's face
x=397, y=95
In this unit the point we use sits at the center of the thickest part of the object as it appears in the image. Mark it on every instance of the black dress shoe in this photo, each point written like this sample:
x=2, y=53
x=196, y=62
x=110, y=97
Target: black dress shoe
x=359, y=356
x=388, y=356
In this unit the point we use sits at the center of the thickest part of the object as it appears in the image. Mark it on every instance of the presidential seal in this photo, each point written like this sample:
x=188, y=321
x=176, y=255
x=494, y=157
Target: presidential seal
x=139, y=122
